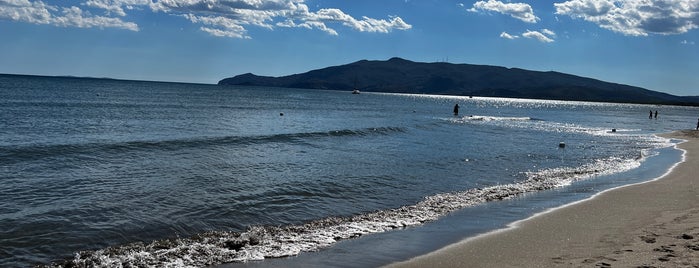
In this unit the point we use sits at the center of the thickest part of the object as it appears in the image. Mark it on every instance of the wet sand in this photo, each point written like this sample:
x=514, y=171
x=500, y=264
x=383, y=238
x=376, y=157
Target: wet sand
x=653, y=224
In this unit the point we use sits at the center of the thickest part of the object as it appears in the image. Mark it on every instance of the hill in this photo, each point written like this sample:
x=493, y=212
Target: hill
x=404, y=76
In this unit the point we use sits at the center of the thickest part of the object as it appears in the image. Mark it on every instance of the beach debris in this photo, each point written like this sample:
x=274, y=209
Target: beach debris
x=648, y=239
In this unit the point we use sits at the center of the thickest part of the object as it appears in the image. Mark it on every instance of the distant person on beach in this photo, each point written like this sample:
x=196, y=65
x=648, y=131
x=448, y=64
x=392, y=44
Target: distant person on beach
x=456, y=109
x=656, y=114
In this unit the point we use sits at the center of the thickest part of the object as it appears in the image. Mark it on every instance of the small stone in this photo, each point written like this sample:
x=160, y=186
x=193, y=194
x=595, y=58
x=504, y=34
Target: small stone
x=649, y=240
x=686, y=236
x=234, y=244
x=663, y=249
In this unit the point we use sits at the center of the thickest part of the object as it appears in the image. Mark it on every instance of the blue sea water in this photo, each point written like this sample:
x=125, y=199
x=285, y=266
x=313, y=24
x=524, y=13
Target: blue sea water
x=106, y=172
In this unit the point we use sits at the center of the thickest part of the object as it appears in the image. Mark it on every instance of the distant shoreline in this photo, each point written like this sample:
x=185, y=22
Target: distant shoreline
x=292, y=88
x=99, y=78
x=655, y=223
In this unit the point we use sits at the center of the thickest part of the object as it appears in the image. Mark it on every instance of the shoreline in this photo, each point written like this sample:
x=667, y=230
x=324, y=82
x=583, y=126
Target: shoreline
x=653, y=223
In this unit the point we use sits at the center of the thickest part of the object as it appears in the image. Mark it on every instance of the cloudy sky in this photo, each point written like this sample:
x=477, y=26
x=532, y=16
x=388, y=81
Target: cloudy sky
x=647, y=43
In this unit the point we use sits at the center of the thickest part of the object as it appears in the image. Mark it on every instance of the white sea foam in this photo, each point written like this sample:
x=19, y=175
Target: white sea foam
x=261, y=242
x=492, y=118
x=560, y=127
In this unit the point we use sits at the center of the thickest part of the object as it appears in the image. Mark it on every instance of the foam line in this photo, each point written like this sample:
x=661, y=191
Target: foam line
x=517, y=224
x=260, y=242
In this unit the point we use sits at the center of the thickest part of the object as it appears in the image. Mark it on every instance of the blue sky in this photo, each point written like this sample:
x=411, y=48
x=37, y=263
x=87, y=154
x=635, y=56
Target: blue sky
x=646, y=43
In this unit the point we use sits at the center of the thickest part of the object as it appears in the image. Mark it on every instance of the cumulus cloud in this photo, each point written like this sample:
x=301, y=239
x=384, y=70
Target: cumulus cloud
x=116, y=7
x=226, y=18
x=38, y=12
x=543, y=37
x=508, y=36
x=548, y=32
x=635, y=17
x=521, y=11
x=366, y=24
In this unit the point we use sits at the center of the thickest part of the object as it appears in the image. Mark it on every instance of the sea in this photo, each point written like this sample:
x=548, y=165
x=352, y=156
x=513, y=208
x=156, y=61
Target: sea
x=113, y=173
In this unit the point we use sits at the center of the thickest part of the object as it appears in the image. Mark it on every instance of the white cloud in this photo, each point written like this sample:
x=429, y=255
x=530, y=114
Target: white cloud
x=508, y=36
x=226, y=27
x=636, y=17
x=278, y=13
x=25, y=11
x=548, y=32
x=545, y=35
x=38, y=12
x=116, y=7
x=224, y=33
x=366, y=24
x=521, y=11
x=226, y=18
x=538, y=36
x=76, y=17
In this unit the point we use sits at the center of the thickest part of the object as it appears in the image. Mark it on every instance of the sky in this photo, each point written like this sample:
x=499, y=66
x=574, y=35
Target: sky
x=646, y=43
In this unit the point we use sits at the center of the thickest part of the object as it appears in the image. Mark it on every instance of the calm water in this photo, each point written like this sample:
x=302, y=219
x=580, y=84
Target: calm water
x=182, y=174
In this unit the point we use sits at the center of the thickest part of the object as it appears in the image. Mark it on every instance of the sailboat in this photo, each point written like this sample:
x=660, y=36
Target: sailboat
x=355, y=91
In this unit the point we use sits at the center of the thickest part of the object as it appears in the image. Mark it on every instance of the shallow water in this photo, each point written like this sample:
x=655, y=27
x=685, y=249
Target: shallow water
x=250, y=173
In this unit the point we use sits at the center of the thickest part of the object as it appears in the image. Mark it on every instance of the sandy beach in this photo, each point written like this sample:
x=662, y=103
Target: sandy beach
x=653, y=224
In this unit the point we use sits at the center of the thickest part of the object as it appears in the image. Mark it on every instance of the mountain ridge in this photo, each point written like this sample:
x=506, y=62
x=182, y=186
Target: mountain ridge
x=398, y=75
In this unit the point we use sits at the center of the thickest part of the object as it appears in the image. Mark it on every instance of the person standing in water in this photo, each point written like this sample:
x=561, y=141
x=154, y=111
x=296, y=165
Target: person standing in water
x=697, y=124
x=650, y=116
x=656, y=114
x=456, y=109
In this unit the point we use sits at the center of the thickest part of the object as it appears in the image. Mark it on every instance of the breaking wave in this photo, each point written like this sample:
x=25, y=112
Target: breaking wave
x=261, y=242
x=491, y=118
x=559, y=127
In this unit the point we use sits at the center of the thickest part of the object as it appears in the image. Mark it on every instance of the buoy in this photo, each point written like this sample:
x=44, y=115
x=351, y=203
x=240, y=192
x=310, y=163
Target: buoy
x=613, y=129
x=281, y=114
x=562, y=145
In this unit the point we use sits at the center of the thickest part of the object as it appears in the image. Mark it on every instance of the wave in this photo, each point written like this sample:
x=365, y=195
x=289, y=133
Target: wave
x=491, y=118
x=559, y=127
x=261, y=242
x=31, y=152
